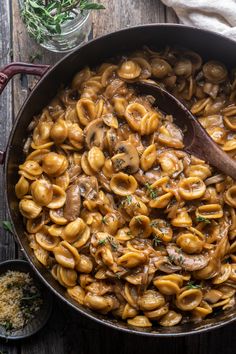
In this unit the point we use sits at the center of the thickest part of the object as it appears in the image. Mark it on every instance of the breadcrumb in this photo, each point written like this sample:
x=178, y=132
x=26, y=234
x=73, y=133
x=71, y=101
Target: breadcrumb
x=19, y=299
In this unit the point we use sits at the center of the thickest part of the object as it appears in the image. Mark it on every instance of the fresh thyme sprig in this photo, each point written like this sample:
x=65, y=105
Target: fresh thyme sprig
x=192, y=285
x=102, y=242
x=8, y=326
x=41, y=17
x=127, y=201
x=157, y=241
x=109, y=239
x=152, y=191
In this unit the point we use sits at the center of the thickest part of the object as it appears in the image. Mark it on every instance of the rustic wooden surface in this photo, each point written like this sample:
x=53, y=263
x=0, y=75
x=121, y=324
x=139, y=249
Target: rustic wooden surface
x=66, y=332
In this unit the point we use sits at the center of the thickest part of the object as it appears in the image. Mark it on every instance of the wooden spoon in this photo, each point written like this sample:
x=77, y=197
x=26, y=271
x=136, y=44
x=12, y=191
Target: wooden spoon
x=196, y=140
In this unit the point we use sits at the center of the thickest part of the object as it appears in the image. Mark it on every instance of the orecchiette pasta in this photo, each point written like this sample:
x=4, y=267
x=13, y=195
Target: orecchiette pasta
x=128, y=222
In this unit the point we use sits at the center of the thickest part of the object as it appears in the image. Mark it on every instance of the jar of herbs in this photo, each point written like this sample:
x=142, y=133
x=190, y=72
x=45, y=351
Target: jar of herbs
x=59, y=26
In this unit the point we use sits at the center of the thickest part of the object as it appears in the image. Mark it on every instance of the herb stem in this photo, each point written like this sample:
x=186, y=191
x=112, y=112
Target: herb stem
x=46, y=17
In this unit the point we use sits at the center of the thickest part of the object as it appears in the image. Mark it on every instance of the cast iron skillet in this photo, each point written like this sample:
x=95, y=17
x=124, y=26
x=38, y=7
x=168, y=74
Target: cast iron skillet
x=208, y=44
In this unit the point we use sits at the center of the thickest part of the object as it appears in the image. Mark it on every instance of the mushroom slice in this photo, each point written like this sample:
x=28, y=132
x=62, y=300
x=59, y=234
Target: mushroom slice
x=214, y=265
x=74, y=171
x=73, y=203
x=111, y=140
x=127, y=157
x=95, y=133
x=88, y=187
x=166, y=266
x=186, y=261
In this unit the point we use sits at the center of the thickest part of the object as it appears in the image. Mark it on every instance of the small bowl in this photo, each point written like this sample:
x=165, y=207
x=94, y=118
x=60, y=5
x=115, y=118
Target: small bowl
x=41, y=316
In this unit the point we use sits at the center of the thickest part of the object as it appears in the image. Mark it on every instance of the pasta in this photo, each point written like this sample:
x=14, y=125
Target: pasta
x=128, y=222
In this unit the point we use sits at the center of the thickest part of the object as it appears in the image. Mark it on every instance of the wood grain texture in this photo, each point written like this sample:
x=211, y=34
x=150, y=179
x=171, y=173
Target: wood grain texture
x=25, y=49
x=122, y=13
x=67, y=332
x=7, y=245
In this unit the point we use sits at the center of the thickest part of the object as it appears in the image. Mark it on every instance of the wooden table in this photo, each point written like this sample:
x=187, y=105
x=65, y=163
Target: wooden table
x=67, y=332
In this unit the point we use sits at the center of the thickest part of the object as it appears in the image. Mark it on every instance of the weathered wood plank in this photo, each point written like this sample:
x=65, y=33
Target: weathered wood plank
x=6, y=348
x=50, y=339
x=125, y=13
x=25, y=49
x=7, y=245
x=222, y=340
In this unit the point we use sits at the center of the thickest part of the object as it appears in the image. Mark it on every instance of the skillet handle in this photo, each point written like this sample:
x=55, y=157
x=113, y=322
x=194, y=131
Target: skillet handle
x=12, y=69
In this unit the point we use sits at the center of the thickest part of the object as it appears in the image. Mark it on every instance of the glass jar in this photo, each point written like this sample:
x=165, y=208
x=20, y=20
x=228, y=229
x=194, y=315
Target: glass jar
x=74, y=32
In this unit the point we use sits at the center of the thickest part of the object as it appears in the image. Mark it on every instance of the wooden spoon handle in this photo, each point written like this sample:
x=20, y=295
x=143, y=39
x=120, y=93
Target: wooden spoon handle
x=205, y=148
x=199, y=143
x=196, y=140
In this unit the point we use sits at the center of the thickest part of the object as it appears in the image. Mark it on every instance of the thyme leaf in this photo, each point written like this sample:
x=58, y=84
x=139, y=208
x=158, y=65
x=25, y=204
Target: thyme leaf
x=128, y=200
x=202, y=219
x=192, y=285
x=154, y=223
x=85, y=5
x=171, y=258
x=104, y=220
x=181, y=260
x=156, y=241
x=6, y=225
x=7, y=325
x=109, y=239
x=152, y=191
x=102, y=242
x=30, y=298
x=113, y=244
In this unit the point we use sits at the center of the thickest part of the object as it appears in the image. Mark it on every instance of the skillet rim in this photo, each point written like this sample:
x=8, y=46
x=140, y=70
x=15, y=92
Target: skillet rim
x=114, y=324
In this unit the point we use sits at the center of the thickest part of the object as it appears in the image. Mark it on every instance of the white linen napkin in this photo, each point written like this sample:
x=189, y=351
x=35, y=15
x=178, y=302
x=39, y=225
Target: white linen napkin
x=215, y=15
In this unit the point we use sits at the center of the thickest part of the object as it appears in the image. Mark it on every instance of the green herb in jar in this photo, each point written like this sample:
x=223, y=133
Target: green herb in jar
x=41, y=16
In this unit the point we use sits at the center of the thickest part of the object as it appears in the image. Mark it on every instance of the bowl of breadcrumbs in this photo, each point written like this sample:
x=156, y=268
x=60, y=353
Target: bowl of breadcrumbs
x=25, y=303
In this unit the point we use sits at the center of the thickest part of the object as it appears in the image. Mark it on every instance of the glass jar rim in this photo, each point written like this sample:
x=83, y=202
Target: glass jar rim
x=84, y=18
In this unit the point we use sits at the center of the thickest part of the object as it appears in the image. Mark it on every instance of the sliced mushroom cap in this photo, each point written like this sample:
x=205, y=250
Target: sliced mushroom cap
x=74, y=171
x=215, y=256
x=151, y=176
x=111, y=140
x=73, y=203
x=167, y=267
x=88, y=186
x=214, y=179
x=95, y=133
x=186, y=261
x=127, y=157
